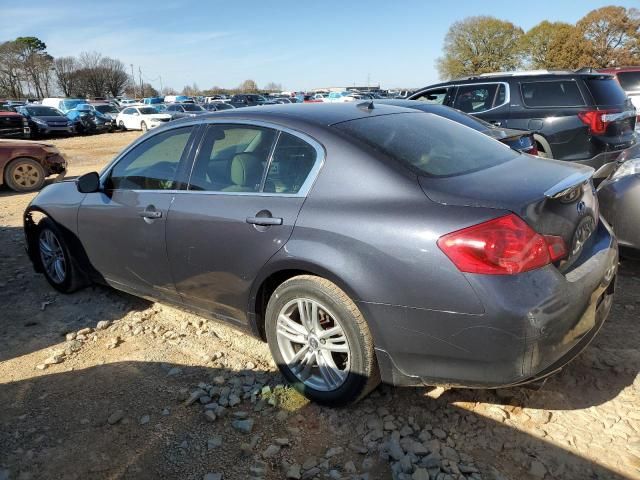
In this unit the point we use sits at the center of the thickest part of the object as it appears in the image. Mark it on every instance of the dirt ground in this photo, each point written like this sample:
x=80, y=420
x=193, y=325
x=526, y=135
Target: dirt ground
x=96, y=385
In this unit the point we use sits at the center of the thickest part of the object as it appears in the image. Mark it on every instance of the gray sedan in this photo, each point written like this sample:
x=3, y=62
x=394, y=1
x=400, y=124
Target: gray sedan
x=184, y=110
x=362, y=242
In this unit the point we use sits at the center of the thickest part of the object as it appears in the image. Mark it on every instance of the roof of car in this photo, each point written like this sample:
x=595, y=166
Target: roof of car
x=321, y=114
x=525, y=74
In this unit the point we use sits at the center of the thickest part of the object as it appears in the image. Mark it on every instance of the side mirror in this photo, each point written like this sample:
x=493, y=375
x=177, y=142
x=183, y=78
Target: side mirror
x=88, y=183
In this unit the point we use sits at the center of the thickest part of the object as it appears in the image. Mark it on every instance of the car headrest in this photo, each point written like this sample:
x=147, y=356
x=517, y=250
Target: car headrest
x=246, y=170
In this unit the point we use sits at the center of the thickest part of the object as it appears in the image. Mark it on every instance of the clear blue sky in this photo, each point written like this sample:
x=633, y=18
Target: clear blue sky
x=300, y=46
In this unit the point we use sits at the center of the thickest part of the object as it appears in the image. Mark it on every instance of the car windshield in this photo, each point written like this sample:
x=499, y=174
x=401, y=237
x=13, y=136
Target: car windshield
x=106, y=109
x=70, y=104
x=428, y=144
x=192, y=107
x=630, y=81
x=83, y=107
x=148, y=110
x=43, y=111
x=6, y=108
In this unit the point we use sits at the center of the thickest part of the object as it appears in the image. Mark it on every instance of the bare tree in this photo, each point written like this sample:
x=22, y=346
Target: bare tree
x=66, y=73
x=10, y=70
x=273, y=87
x=116, y=77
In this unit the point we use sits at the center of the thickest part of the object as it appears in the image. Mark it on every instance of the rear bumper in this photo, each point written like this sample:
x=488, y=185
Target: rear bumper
x=534, y=323
x=620, y=205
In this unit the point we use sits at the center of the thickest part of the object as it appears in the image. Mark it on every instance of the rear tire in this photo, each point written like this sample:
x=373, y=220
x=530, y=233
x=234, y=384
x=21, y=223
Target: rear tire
x=59, y=267
x=331, y=360
x=24, y=175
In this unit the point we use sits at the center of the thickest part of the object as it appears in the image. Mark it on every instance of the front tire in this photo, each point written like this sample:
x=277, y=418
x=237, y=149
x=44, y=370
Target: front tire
x=320, y=341
x=122, y=127
x=58, y=266
x=143, y=127
x=24, y=175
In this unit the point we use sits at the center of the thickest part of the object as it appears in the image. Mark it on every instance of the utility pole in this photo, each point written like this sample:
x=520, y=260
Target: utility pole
x=141, y=85
x=161, y=85
x=133, y=82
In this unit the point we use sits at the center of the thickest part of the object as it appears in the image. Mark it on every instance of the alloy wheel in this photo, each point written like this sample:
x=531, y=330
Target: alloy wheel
x=313, y=344
x=52, y=256
x=25, y=175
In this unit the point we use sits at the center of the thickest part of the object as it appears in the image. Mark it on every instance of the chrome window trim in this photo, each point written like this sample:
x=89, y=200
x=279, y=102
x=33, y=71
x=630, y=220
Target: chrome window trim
x=302, y=193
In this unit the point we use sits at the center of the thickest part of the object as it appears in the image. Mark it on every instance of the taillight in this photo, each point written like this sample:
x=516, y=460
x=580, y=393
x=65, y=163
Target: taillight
x=596, y=120
x=502, y=246
x=533, y=150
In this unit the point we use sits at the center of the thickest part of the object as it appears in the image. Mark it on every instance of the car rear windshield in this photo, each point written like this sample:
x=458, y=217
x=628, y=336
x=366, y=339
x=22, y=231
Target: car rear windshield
x=630, y=81
x=429, y=144
x=552, y=93
x=606, y=91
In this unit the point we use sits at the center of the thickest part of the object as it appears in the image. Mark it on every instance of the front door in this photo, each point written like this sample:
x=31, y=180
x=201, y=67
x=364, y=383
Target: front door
x=246, y=190
x=122, y=227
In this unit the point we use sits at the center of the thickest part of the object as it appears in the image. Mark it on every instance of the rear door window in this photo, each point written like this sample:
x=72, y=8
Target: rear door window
x=292, y=161
x=554, y=93
x=606, y=91
x=479, y=98
x=428, y=144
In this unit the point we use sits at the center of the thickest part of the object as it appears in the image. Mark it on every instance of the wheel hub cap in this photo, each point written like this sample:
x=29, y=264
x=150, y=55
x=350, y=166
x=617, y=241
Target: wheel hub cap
x=313, y=344
x=26, y=175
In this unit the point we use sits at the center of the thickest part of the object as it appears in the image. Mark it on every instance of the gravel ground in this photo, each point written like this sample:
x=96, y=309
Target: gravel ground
x=102, y=385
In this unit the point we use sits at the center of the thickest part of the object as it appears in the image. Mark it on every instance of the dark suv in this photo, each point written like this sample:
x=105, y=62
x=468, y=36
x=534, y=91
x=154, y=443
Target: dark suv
x=579, y=116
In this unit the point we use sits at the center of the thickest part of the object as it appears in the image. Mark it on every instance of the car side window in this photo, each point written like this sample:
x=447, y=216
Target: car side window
x=153, y=164
x=232, y=158
x=292, y=161
x=436, y=96
x=476, y=98
x=128, y=111
x=557, y=93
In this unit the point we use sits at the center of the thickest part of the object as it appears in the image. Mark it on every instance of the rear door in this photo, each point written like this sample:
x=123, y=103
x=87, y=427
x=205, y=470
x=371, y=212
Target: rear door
x=123, y=226
x=247, y=186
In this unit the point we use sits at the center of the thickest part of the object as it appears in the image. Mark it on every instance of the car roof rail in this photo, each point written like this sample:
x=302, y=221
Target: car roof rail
x=585, y=70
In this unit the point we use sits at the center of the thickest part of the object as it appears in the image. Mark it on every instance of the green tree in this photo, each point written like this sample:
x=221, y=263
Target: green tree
x=479, y=45
x=555, y=45
x=614, y=36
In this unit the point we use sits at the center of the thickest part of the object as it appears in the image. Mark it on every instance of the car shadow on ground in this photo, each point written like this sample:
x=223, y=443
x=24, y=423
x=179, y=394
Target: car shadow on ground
x=36, y=316
x=92, y=423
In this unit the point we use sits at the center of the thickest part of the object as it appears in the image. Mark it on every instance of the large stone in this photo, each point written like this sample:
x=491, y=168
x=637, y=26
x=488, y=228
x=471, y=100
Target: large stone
x=115, y=417
x=244, y=426
x=294, y=472
x=420, y=474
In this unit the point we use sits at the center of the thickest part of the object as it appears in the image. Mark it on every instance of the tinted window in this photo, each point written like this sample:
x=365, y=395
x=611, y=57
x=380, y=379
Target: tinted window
x=232, y=158
x=153, y=164
x=476, y=98
x=436, y=96
x=43, y=111
x=147, y=110
x=191, y=107
x=606, y=91
x=106, y=109
x=292, y=160
x=129, y=111
x=630, y=81
x=557, y=93
x=428, y=143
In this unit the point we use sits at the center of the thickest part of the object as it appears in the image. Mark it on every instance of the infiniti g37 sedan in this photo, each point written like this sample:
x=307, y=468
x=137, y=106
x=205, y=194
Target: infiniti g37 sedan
x=364, y=243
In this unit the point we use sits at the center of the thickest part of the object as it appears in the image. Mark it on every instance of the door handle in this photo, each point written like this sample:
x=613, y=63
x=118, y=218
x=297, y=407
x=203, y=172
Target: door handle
x=150, y=214
x=264, y=221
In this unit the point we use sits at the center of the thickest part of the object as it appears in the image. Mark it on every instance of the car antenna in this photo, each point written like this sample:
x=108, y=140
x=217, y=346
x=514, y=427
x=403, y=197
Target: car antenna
x=366, y=105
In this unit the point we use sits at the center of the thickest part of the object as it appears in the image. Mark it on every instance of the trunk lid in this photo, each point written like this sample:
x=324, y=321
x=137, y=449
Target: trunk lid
x=553, y=197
